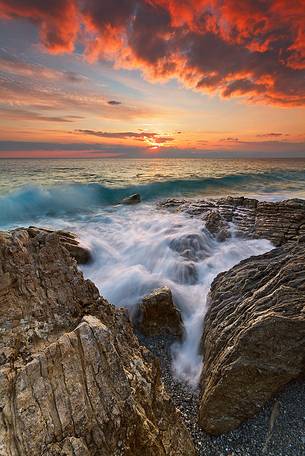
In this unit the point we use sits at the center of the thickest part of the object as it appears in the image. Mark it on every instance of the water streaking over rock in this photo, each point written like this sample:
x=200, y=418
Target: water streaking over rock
x=137, y=251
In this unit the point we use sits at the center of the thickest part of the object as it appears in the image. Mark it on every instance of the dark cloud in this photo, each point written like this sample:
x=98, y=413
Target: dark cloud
x=250, y=49
x=114, y=102
x=28, y=146
x=142, y=136
x=57, y=20
x=229, y=139
x=254, y=149
x=271, y=135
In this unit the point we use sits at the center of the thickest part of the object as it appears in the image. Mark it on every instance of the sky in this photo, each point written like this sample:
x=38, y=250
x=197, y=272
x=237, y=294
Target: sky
x=145, y=78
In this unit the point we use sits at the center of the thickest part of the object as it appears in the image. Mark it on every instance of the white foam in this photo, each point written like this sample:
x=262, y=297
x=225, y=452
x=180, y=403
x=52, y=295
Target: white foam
x=134, y=255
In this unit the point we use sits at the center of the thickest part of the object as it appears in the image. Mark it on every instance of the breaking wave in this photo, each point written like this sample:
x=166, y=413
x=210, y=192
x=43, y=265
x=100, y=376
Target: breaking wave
x=34, y=201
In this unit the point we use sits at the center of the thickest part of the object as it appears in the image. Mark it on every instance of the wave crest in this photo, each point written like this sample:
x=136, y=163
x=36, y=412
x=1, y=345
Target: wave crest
x=34, y=201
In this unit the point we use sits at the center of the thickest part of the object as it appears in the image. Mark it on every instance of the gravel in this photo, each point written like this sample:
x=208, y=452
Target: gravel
x=278, y=430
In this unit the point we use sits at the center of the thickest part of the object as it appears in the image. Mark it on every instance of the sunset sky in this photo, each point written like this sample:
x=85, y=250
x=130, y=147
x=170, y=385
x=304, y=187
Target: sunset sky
x=138, y=78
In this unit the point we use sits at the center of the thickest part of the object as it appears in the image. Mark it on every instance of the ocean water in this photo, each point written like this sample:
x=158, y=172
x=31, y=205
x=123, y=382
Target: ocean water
x=134, y=246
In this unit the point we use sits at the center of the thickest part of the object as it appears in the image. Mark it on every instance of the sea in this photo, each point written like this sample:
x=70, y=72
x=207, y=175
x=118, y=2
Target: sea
x=132, y=245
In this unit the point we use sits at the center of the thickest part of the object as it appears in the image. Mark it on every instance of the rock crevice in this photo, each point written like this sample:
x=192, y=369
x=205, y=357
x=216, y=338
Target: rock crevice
x=73, y=378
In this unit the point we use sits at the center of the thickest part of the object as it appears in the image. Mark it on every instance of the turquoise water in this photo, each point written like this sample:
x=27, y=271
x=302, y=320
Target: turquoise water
x=33, y=188
x=132, y=246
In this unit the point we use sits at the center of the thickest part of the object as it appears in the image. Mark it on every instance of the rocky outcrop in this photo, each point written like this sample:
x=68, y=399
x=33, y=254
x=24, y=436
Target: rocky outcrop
x=254, y=335
x=69, y=240
x=42, y=293
x=73, y=378
x=132, y=199
x=279, y=222
x=158, y=315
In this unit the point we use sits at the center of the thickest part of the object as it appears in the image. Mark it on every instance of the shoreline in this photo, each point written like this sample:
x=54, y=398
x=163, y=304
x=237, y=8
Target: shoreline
x=277, y=429
x=285, y=411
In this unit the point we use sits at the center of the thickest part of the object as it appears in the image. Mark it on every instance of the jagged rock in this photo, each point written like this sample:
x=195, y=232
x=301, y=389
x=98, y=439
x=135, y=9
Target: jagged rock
x=41, y=291
x=73, y=383
x=132, y=199
x=217, y=226
x=279, y=222
x=157, y=314
x=81, y=254
x=254, y=336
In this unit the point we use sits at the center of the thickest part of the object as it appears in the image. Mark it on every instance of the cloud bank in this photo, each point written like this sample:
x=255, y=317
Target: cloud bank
x=253, y=49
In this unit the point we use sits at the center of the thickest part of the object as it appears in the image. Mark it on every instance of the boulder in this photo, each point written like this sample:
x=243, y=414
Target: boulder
x=132, y=199
x=73, y=378
x=254, y=336
x=158, y=315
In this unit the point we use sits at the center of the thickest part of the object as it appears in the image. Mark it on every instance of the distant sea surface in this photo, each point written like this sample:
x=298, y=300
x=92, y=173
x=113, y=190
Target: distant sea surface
x=132, y=245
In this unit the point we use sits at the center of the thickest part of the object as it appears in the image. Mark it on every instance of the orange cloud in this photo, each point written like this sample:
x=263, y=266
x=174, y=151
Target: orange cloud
x=57, y=20
x=237, y=48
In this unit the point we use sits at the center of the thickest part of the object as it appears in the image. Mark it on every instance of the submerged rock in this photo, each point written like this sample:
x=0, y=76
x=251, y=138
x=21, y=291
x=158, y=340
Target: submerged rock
x=254, y=336
x=73, y=378
x=132, y=199
x=157, y=314
x=185, y=273
x=193, y=247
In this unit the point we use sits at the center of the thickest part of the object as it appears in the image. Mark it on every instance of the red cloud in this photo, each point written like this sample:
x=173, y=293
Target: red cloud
x=57, y=20
x=249, y=48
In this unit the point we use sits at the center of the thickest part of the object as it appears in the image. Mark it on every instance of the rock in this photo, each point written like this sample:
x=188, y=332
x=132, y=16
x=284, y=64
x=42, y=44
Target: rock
x=41, y=292
x=217, y=226
x=80, y=253
x=193, y=247
x=280, y=222
x=157, y=314
x=132, y=199
x=254, y=336
x=73, y=378
x=185, y=273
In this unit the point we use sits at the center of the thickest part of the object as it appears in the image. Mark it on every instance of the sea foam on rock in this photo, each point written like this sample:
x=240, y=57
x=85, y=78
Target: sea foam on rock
x=73, y=378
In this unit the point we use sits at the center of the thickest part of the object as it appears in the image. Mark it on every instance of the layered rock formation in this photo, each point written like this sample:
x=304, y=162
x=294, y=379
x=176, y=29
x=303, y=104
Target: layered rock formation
x=279, y=222
x=73, y=378
x=254, y=333
x=158, y=315
x=69, y=240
